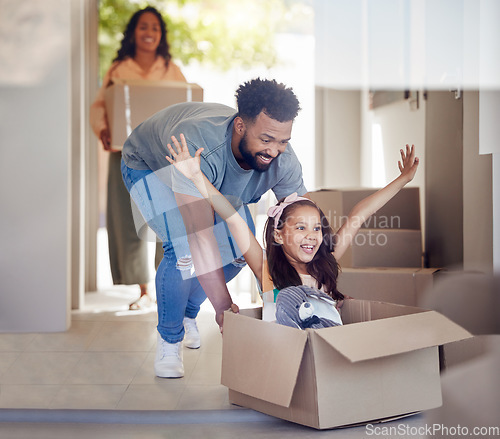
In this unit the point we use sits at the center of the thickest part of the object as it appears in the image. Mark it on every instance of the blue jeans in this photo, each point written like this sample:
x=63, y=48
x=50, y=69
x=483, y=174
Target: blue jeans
x=178, y=291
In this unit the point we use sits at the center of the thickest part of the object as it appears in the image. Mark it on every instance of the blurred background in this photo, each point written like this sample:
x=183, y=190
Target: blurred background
x=371, y=76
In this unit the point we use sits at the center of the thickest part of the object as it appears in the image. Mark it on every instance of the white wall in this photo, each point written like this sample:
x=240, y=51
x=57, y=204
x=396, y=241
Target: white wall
x=393, y=125
x=338, y=138
x=386, y=130
x=34, y=168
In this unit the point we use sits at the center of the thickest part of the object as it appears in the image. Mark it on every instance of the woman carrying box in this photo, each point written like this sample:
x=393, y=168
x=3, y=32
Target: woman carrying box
x=144, y=54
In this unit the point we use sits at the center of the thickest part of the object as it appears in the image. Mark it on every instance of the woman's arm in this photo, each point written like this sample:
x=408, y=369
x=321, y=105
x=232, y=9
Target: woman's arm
x=368, y=206
x=98, y=115
x=190, y=167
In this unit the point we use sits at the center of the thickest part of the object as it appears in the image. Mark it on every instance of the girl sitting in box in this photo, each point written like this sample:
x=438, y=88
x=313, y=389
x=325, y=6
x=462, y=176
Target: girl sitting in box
x=301, y=249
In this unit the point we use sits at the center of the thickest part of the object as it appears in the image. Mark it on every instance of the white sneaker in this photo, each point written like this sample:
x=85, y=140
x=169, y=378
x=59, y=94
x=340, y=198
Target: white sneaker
x=168, y=361
x=192, y=336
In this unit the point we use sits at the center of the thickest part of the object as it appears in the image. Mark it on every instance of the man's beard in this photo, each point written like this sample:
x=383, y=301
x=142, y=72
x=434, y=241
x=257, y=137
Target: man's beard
x=251, y=160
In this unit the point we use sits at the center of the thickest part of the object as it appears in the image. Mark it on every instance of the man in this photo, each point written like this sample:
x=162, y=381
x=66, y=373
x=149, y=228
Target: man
x=245, y=154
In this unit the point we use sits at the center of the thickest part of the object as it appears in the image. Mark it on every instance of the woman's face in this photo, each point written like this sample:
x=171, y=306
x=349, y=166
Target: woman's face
x=301, y=236
x=147, y=33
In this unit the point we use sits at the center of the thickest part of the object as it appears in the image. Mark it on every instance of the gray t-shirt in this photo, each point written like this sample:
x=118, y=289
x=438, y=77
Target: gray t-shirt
x=209, y=126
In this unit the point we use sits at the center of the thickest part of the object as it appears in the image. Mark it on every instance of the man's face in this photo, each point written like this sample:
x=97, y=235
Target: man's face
x=263, y=141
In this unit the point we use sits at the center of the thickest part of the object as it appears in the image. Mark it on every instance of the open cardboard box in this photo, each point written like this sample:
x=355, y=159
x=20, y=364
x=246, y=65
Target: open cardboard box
x=382, y=363
x=130, y=102
x=403, y=286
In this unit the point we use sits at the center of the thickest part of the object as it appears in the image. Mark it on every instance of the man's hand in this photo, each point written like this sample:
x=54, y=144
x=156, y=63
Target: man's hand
x=219, y=318
x=198, y=218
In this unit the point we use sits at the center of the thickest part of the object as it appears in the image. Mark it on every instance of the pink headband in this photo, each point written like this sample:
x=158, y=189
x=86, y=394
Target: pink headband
x=276, y=211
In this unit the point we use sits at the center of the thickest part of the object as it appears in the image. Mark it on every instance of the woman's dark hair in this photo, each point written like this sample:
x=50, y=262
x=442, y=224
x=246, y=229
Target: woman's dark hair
x=127, y=48
x=275, y=100
x=323, y=267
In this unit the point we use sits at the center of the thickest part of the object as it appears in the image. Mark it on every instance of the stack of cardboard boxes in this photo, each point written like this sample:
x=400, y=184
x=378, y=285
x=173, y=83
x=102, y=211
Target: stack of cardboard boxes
x=385, y=261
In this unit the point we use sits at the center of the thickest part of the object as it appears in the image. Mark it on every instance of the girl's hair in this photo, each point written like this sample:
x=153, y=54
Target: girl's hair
x=127, y=48
x=323, y=267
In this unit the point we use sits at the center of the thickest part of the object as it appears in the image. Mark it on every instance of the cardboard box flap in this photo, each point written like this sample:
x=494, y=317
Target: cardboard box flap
x=153, y=83
x=267, y=368
x=395, y=335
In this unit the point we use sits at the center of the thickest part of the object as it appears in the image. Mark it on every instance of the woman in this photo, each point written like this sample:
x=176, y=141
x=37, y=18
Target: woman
x=144, y=54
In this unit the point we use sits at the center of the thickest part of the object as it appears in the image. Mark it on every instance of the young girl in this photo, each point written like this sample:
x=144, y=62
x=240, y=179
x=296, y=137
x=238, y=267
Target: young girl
x=301, y=248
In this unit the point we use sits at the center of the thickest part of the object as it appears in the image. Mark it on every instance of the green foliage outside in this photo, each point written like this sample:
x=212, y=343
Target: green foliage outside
x=221, y=34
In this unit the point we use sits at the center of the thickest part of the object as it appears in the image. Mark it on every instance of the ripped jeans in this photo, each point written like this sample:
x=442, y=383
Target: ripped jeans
x=178, y=291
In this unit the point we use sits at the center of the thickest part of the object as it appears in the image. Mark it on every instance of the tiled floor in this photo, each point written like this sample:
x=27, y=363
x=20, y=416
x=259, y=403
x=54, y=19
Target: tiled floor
x=105, y=361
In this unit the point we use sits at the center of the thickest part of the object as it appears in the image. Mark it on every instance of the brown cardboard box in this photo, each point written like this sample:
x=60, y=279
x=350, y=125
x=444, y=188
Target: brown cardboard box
x=470, y=349
x=384, y=248
x=471, y=395
x=401, y=212
x=130, y=102
x=403, y=286
x=383, y=362
x=470, y=383
x=472, y=300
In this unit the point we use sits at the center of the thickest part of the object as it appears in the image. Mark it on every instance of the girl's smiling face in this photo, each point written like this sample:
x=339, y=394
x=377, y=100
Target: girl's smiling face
x=300, y=236
x=147, y=33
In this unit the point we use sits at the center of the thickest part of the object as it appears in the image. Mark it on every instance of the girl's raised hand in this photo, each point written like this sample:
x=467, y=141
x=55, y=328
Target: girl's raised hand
x=409, y=163
x=182, y=160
